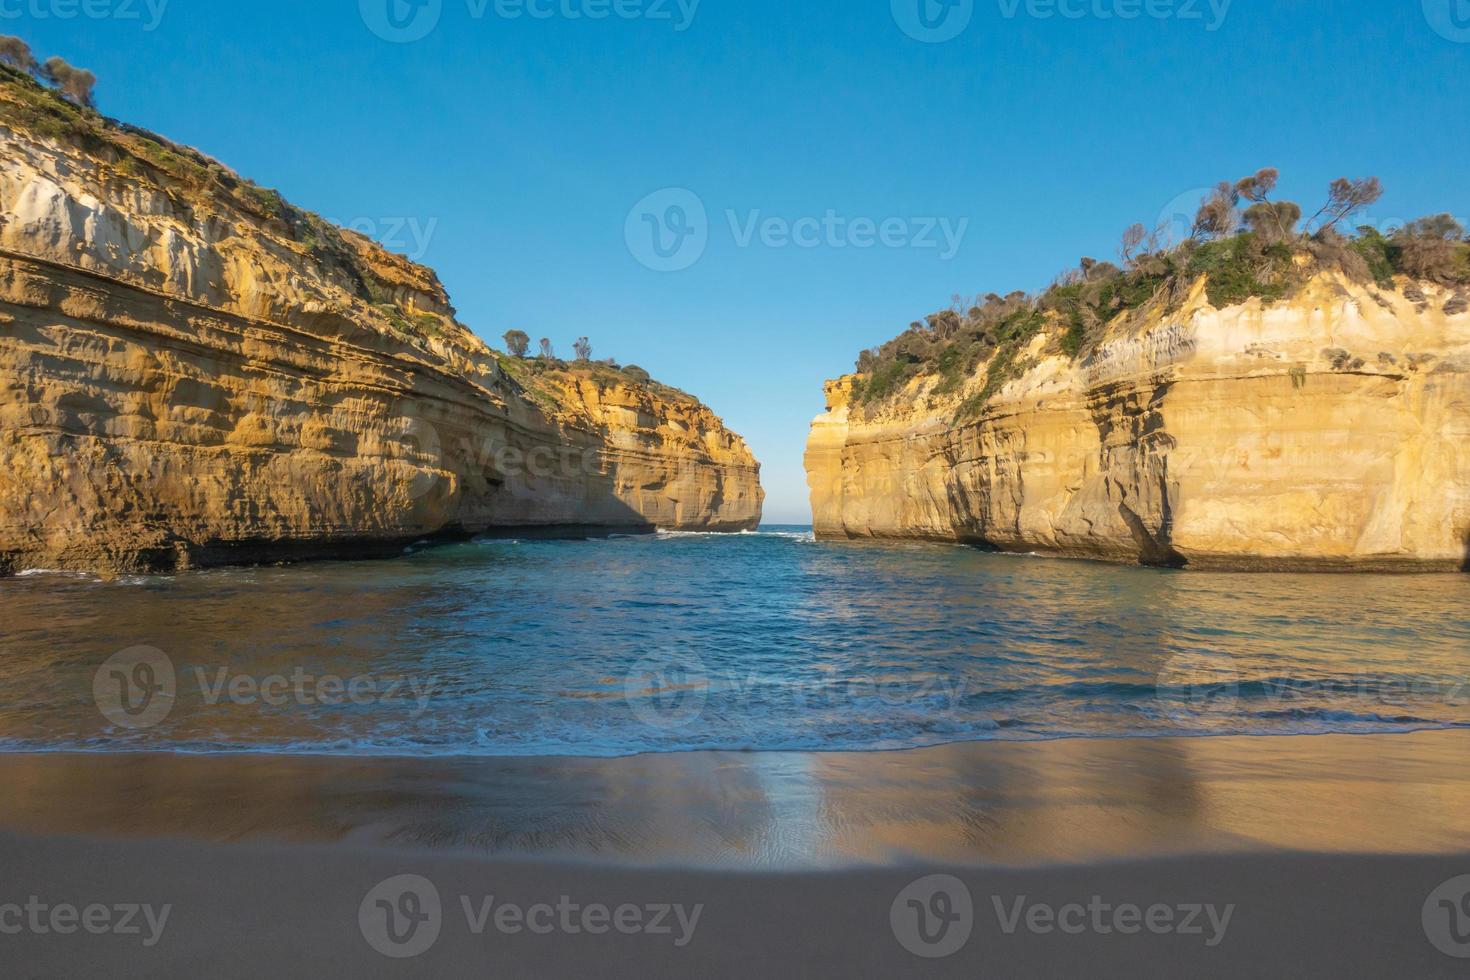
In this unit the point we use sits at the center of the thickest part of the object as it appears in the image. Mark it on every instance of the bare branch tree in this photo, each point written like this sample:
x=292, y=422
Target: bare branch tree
x=1219, y=214
x=1133, y=239
x=1139, y=242
x=1347, y=197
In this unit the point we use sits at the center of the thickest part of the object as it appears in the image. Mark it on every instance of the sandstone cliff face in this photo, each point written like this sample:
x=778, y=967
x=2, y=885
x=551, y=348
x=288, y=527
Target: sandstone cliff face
x=193, y=373
x=1328, y=431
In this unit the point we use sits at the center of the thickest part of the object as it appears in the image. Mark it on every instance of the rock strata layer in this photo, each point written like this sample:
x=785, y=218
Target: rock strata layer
x=1327, y=431
x=193, y=373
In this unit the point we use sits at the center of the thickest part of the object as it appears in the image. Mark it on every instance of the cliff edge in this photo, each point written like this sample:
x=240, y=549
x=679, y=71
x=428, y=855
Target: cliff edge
x=194, y=372
x=1325, y=426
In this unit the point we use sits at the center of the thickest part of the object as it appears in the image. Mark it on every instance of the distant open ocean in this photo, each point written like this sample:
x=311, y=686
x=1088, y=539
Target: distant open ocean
x=673, y=642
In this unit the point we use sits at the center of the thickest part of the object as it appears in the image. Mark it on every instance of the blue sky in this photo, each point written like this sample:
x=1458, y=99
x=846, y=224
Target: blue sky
x=509, y=152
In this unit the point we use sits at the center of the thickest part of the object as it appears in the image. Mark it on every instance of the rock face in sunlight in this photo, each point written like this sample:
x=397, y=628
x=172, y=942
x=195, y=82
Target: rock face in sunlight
x=1330, y=430
x=194, y=372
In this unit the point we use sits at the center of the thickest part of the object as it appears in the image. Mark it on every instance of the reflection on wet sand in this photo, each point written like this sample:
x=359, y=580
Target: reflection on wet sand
x=1065, y=801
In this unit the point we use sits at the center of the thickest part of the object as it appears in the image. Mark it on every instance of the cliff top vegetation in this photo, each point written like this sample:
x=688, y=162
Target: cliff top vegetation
x=530, y=370
x=54, y=101
x=1244, y=244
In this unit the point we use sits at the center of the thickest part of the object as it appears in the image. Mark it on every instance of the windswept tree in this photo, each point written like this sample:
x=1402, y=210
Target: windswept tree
x=1219, y=214
x=1444, y=227
x=1258, y=186
x=517, y=342
x=583, y=349
x=17, y=54
x=1431, y=248
x=547, y=352
x=76, y=84
x=1273, y=221
x=1347, y=197
x=1138, y=242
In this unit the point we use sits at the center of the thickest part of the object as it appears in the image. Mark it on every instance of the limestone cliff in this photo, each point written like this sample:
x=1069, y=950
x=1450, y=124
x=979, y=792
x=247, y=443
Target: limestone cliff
x=193, y=372
x=1329, y=429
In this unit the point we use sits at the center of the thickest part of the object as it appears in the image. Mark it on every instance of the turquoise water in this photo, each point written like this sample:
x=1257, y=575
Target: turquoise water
x=763, y=641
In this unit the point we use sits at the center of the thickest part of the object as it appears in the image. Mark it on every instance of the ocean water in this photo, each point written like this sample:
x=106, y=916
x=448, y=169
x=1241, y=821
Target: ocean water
x=675, y=642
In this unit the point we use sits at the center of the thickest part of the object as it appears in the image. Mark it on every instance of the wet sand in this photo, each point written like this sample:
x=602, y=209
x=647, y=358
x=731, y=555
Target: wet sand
x=1326, y=851
x=995, y=802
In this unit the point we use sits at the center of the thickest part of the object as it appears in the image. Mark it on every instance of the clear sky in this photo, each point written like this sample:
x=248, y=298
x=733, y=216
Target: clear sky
x=511, y=152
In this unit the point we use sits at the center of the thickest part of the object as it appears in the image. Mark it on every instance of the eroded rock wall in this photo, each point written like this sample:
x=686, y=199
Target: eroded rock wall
x=1328, y=431
x=184, y=381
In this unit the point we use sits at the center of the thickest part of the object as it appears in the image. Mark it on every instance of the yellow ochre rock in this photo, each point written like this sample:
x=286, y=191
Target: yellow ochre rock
x=1327, y=431
x=193, y=372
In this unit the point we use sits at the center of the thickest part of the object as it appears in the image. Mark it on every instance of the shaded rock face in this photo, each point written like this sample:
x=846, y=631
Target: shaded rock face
x=184, y=382
x=1330, y=431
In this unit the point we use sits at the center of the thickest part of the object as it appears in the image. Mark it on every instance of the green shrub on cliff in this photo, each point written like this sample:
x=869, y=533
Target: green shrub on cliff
x=1244, y=267
x=1244, y=245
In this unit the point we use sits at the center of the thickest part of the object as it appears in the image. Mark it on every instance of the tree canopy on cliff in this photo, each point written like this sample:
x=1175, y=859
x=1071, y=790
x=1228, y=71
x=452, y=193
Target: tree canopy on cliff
x=1244, y=242
x=517, y=342
x=17, y=54
x=76, y=84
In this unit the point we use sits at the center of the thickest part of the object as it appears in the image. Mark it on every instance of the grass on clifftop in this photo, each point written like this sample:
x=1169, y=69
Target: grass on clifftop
x=192, y=179
x=537, y=374
x=1254, y=253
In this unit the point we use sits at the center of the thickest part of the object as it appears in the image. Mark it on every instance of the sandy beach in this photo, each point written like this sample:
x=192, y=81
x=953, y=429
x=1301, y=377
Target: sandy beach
x=1305, y=856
